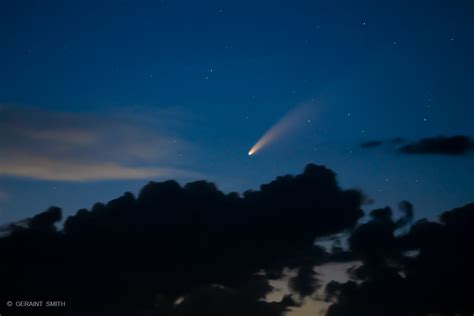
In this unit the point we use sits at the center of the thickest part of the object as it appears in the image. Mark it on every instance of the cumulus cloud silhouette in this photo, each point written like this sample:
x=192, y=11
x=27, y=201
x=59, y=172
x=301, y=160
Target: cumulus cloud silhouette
x=79, y=146
x=175, y=241
x=193, y=250
x=436, y=280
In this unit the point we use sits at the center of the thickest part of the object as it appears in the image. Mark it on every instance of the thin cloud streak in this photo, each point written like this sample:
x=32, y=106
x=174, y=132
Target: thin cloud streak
x=42, y=168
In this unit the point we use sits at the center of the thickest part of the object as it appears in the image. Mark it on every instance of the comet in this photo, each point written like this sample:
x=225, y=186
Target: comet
x=289, y=121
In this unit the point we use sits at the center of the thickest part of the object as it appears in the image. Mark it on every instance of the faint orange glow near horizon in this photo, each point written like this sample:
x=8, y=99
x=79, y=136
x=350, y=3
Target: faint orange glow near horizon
x=291, y=119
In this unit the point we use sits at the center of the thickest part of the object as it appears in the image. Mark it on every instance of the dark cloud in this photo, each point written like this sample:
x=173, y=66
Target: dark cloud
x=455, y=145
x=437, y=280
x=408, y=213
x=193, y=250
x=305, y=282
x=45, y=222
x=374, y=239
x=371, y=144
x=175, y=241
x=378, y=143
x=398, y=140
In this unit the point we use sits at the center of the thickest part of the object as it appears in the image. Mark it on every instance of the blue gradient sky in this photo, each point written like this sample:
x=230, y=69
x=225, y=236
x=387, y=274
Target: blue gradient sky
x=208, y=78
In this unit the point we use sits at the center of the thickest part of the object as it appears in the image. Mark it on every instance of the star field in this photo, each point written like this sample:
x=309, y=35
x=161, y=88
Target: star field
x=209, y=78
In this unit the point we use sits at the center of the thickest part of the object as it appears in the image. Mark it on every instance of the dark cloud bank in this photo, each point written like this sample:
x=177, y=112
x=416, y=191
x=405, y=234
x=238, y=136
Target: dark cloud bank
x=455, y=145
x=441, y=145
x=193, y=250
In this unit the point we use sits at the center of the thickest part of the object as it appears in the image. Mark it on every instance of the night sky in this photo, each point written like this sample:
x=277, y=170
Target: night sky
x=100, y=97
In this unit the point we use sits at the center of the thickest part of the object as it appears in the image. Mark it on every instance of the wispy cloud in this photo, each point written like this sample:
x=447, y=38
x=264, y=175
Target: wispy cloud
x=371, y=144
x=84, y=146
